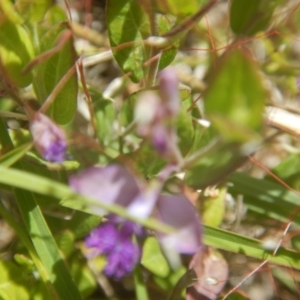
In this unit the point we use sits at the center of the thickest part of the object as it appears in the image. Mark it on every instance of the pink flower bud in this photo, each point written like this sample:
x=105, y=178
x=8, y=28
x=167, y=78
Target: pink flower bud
x=48, y=138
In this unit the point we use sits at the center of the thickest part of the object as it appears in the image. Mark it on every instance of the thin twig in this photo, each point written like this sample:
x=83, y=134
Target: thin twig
x=244, y=279
x=190, y=22
x=88, y=97
x=8, y=114
x=58, y=89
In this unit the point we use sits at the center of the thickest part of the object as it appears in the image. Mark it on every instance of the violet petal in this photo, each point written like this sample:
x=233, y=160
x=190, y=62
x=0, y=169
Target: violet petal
x=122, y=260
x=129, y=228
x=178, y=212
x=103, y=238
x=48, y=138
x=111, y=184
x=143, y=205
x=160, y=139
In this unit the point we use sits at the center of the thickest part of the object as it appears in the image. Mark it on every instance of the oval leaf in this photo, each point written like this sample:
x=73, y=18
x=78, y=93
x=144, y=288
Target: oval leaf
x=234, y=101
x=128, y=23
x=13, y=282
x=35, y=11
x=153, y=259
x=249, y=17
x=50, y=72
x=16, y=51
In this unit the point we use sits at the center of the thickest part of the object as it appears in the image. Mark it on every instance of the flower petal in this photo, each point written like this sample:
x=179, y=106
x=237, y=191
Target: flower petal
x=144, y=203
x=111, y=184
x=177, y=211
x=122, y=260
x=103, y=238
x=48, y=138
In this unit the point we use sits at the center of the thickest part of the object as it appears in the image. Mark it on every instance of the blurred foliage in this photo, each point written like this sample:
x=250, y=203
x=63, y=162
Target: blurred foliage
x=232, y=57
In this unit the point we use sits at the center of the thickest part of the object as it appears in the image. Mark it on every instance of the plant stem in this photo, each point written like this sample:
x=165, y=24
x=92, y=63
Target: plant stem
x=153, y=67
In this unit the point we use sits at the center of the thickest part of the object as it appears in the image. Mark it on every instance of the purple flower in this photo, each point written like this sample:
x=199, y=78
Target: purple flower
x=103, y=239
x=178, y=212
x=114, y=184
x=115, y=242
x=48, y=138
x=155, y=114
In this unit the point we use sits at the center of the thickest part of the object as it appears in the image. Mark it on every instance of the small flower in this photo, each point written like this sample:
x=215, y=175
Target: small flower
x=115, y=242
x=177, y=211
x=48, y=138
x=103, y=239
x=115, y=185
x=122, y=260
x=155, y=114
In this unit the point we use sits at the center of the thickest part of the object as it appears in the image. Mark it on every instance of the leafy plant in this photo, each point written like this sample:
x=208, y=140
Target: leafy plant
x=159, y=168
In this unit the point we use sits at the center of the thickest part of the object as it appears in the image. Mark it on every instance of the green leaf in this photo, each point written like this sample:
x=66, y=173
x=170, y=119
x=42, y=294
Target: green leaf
x=83, y=276
x=49, y=72
x=167, y=55
x=66, y=165
x=13, y=281
x=82, y=223
x=169, y=282
x=45, y=246
x=106, y=114
x=16, y=51
x=128, y=26
x=234, y=100
x=49, y=262
x=266, y=197
x=185, y=128
x=54, y=15
x=39, y=292
x=233, y=242
x=65, y=242
x=235, y=111
x=215, y=166
x=9, y=11
x=14, y=155
x=153, y=259
x=288, y=167
x=35, y=11
x=65, y=219
x=143, y=155
x=23, y=260
x=249, y=17
x=288, y=170
x=186, y=280
x=180, y=8
x=140, y=284
x=286, y=278
x=296, y=242
x=24, y=237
